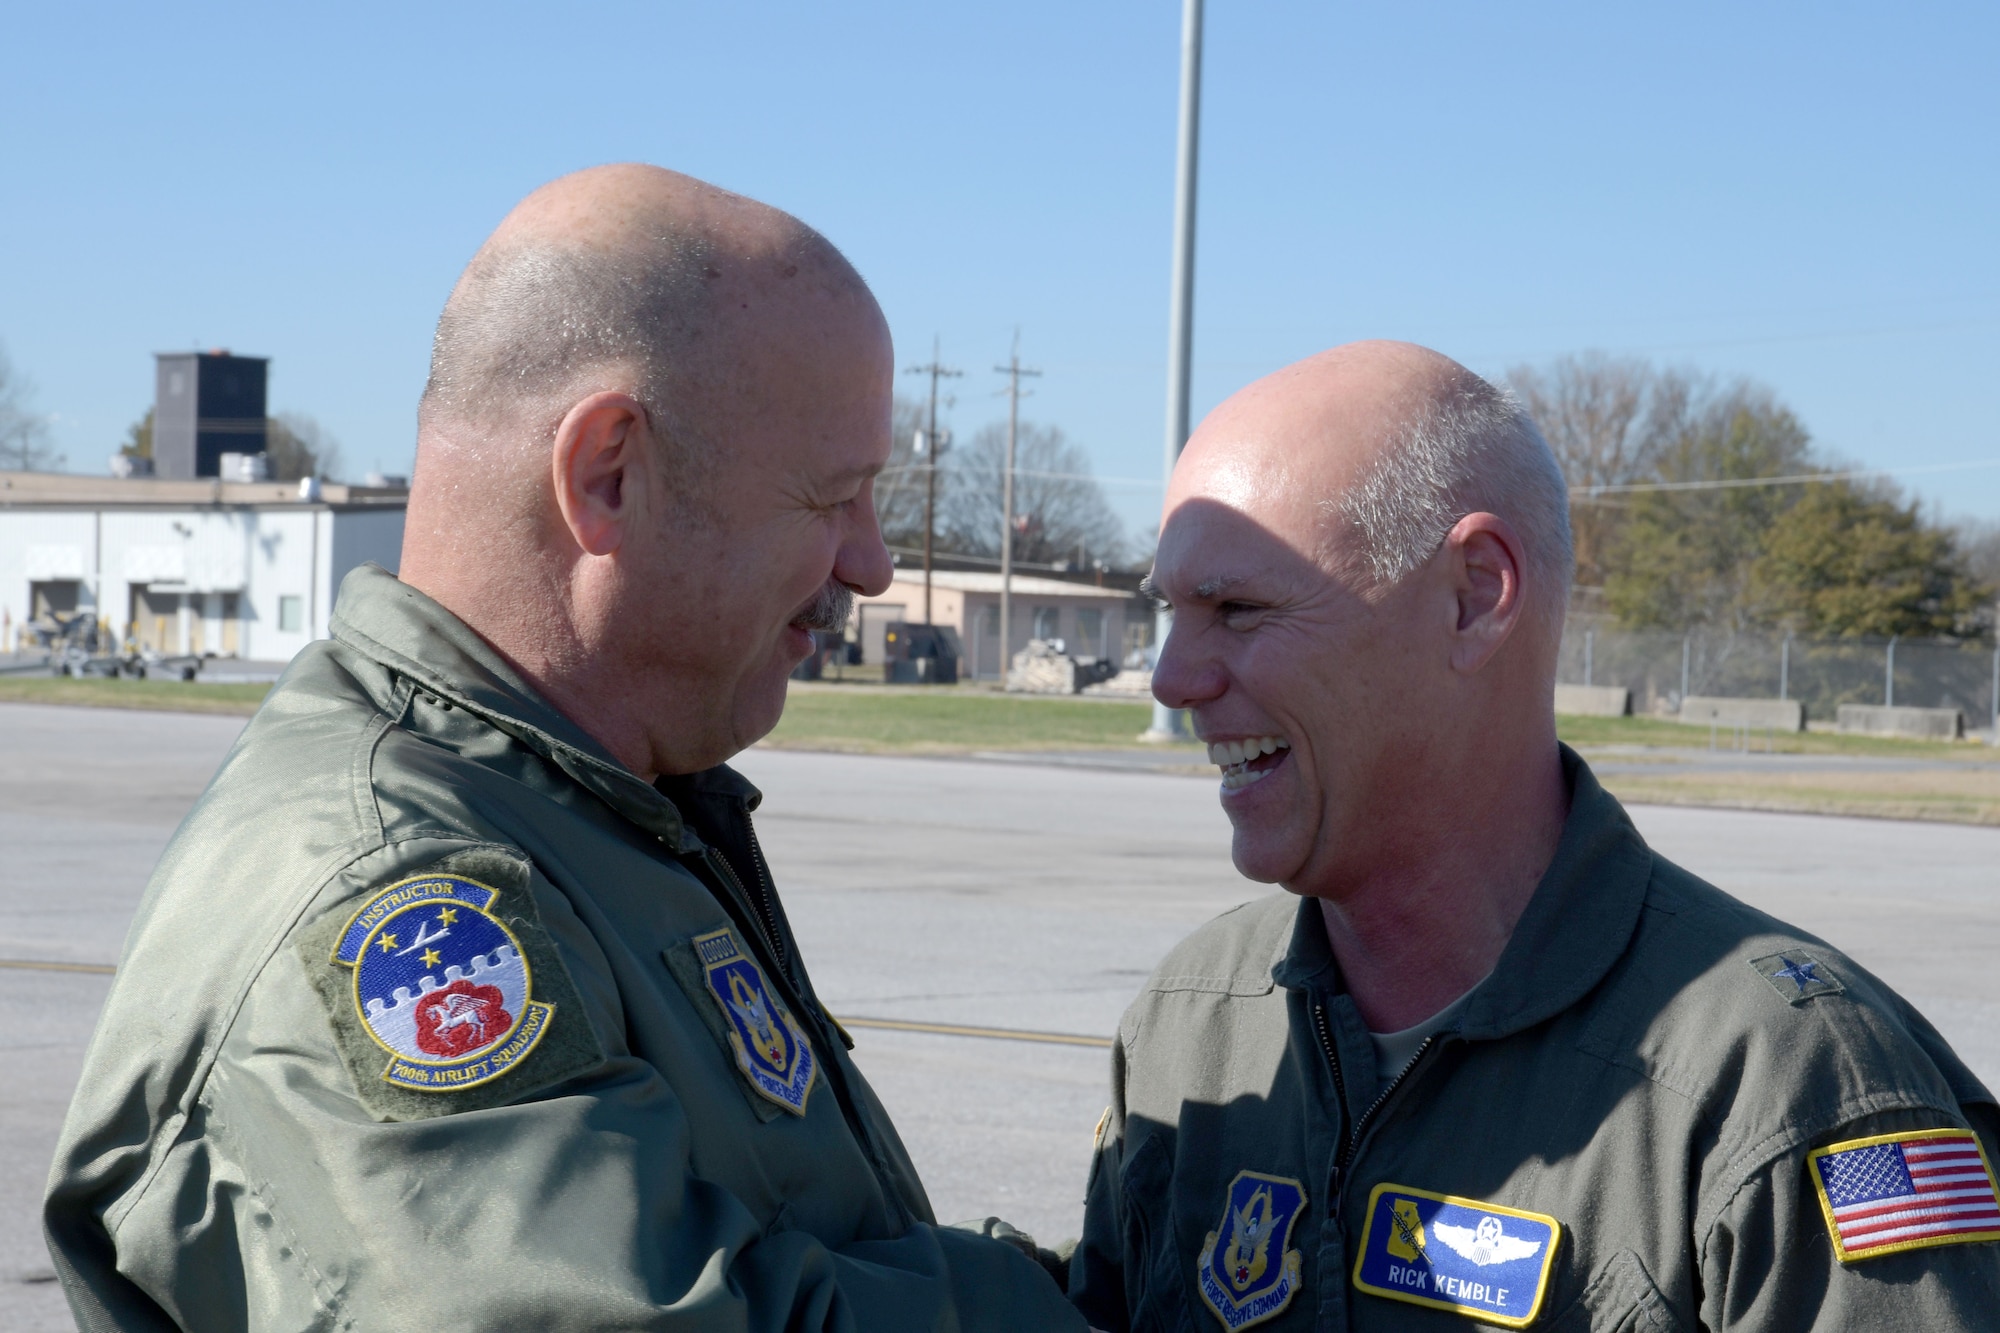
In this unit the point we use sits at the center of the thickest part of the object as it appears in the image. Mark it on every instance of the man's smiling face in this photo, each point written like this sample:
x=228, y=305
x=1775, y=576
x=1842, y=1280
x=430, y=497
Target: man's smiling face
x=1305, y=681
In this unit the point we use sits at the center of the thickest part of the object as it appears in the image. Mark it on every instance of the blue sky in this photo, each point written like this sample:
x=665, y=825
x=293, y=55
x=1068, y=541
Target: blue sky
x=1804, y=194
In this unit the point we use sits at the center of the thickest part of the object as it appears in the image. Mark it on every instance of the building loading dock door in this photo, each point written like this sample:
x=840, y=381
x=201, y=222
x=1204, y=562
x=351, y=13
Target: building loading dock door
x=155, y=620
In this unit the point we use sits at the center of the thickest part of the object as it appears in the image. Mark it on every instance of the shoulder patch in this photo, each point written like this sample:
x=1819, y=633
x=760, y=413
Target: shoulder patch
x=1463, y=1255
x=1908, y=1191
x=1797, y=975
x=441, y=983
x=772, y=1051
x=446, y=994
x=1245, y=1271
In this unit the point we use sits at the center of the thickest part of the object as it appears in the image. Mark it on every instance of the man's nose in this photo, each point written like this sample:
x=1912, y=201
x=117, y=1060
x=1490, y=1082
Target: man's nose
x=863, y=562
x=1183, y=677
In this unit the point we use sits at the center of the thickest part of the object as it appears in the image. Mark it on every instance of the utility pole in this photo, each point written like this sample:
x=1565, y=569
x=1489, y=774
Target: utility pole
x=1168, y=724
x=932, y=446
x=1013, y=370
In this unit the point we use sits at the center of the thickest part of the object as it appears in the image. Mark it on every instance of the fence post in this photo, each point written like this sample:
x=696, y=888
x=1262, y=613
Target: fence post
x=1996, y=690
x=1889, y=679
x=1684, y=668
x=1589, y=641
x=1785, y=668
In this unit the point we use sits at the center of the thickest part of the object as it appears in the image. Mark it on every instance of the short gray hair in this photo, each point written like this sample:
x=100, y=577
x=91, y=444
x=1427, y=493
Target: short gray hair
x=530, y=323
x=1472, y=447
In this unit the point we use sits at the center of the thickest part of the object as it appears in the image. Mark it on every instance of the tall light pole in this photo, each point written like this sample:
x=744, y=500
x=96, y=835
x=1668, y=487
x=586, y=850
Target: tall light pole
x=932, y=447
x=1013, y=370
x=1168, y=724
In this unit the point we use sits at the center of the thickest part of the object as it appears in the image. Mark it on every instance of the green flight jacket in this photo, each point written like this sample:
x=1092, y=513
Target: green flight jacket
x=1638, y=1067
x=243, y=1152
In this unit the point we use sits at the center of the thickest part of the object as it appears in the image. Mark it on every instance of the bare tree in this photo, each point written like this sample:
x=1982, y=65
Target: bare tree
x=899, y=491
x=298, y=446
x=24, y=445
x=1061, y=511
x=1606, y=419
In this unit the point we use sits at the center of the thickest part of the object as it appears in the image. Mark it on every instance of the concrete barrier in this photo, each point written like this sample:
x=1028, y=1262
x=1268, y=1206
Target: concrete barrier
x=1593, y=700
x=1756, y=714
x=1927, y=724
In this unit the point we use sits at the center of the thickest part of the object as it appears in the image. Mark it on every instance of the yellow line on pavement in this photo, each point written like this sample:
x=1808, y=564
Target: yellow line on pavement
x=49, y=965
x=884, y=1024
x=963, y=1030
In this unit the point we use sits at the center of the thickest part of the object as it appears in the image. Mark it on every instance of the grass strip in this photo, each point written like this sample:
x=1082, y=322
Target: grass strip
x=946, y=721
x=160, y=696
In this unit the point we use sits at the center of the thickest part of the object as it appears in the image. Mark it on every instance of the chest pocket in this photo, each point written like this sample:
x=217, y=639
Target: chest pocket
x=1621, y=1298
x=1158, y=1276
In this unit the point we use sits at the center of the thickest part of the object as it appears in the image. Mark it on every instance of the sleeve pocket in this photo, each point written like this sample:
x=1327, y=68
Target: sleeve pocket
x=1621, y=1298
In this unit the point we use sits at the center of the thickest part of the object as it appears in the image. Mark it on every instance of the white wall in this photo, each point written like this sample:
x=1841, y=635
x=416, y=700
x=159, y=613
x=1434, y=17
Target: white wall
x=263, y=554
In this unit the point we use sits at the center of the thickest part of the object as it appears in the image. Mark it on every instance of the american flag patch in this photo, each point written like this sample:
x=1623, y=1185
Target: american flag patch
x=1905, y=1192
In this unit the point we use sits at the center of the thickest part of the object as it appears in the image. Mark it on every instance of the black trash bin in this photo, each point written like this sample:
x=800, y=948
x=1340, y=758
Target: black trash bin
x=920, y=654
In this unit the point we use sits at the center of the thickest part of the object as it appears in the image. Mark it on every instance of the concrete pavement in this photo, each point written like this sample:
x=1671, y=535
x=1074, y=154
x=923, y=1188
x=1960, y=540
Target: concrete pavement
x=1016, y=895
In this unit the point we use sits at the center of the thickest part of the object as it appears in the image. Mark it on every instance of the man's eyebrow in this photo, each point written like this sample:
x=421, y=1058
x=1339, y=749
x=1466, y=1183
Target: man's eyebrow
x=1211, y=589
x=1206, y=591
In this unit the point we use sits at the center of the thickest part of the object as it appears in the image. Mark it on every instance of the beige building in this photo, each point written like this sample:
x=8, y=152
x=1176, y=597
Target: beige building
x=1091, y=622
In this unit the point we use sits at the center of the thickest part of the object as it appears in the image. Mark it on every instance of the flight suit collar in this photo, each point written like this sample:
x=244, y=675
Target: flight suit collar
x=379, y=615
x=1579, y=921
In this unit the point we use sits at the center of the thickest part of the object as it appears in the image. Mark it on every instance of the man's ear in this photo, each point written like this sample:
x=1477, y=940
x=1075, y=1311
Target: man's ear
x=599, y=469
x=1486, y=567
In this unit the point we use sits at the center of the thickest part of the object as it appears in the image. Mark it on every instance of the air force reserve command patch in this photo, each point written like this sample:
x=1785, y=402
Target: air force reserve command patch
x=441, y=984
x=1905, y=1191
x=1456, y=1254
x=1246, y=1271
x=771, y=1050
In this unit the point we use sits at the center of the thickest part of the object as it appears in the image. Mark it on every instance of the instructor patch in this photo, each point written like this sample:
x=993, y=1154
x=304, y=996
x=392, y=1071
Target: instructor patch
x=1905, y=1192
x=771, y=1049
x=1462, y=1255
x=441, y=984
x=1246, y=1272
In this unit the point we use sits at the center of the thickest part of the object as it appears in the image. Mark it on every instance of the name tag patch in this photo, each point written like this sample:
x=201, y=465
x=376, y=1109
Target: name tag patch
x=440, y=983
x=1462, y=1255
x=1906, y=1191
x=1246, y=1272
x=771, y=1049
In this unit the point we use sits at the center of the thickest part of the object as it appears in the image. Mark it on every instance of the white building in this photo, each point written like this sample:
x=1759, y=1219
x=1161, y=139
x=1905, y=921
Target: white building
x=1091, y=622
x=202, y=567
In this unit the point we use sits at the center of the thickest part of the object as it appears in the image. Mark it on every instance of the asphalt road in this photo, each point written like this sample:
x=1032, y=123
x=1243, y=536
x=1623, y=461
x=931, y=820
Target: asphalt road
x=956, y=893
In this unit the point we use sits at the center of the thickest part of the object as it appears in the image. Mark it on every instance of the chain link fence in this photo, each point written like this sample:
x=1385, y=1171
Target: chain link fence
x=1662, y=668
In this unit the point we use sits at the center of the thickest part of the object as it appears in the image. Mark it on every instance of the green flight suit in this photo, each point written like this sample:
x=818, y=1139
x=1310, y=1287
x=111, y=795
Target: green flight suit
x=1650, y=1064
x=250, y=1148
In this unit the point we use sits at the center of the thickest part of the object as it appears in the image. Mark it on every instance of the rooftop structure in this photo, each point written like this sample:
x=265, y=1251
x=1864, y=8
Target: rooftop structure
x=205, y=405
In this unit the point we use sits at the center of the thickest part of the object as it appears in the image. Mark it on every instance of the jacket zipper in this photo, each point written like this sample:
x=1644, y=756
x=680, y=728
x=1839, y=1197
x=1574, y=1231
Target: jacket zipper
x=767, y=911
x=1351, y=1143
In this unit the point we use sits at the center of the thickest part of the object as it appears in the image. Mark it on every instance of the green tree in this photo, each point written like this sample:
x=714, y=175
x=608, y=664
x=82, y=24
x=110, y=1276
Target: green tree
x=1841, y=561
x=1685, y=553
x=139, y=437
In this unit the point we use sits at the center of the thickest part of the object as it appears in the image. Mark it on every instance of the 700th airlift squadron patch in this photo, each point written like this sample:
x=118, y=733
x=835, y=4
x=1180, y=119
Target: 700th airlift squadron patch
x=1246, y=1272
x=1456, y=1254
x=441, y=984
x=771, y=1049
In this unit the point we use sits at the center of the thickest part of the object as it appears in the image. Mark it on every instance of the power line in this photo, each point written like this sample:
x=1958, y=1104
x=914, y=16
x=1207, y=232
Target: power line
x=1790, y=479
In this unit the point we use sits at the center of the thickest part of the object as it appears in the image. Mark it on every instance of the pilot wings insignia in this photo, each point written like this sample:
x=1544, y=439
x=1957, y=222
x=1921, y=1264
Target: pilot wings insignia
x=1485, y=1244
